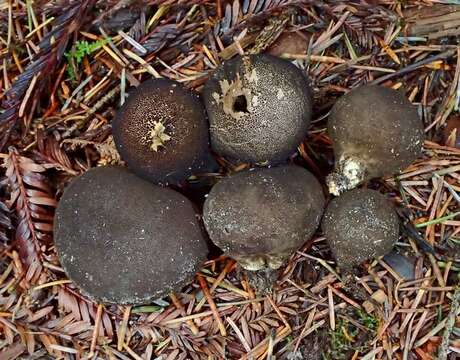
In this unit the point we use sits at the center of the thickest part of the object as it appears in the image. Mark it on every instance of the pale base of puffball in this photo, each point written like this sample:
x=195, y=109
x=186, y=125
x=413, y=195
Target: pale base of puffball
x=262, y=261
x=261, y=281
x=349, y=172
x=261, y=270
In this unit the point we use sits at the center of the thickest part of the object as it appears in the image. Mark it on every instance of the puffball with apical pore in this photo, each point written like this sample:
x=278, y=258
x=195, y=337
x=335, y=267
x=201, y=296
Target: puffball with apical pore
x=259, y=108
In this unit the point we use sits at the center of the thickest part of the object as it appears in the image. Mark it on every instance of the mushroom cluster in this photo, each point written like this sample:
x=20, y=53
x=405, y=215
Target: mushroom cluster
x=123, y=236
x=375, y=132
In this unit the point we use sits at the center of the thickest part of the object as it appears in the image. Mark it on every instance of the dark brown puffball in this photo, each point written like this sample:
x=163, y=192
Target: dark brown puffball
x=162, y=132
x=359, y=225
x=123, y=240
x=261, y=216
x=259, y=108
x=375, y=132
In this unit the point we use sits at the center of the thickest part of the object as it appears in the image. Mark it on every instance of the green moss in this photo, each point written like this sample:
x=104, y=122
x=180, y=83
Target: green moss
x=348, y=338
x=79, y=50
x=368, y=320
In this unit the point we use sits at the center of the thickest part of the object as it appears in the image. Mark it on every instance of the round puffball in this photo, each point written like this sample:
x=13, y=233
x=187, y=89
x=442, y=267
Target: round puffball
x=359, y=225
x=259, y=108
x=123, y=240
x=161, y=131
x=261, y=216
x=375, y=132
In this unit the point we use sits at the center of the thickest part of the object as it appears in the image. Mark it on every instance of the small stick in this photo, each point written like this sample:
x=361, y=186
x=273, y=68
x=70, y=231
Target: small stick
x=331, y=308
x=123, y=328
x=131, y=352
x=305, y=327
x=283, y=319
x=344, y=297
x=97, y=325
x=185, y=318
x=239, y=334
x=450, y=322
x=212, y=305
x=414, y=66
x=180, y=306
x=217, y=282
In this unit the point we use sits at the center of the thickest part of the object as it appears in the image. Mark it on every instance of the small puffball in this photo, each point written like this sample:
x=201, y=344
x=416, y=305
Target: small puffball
x=359, y=225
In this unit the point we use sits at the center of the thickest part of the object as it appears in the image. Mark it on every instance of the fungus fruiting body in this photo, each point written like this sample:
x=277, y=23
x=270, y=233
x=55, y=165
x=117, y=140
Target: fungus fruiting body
x=124, y=240
x=359, y=225
x=259, y=217
x=259, y=108
x=162, y=132
x=375, y=132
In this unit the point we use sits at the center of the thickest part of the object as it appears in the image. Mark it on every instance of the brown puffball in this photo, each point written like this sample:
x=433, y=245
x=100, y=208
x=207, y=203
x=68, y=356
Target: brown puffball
x=259, y=108
x=162, y=132
x=261, y=216
x=375, y=132
x=123, y=240
x=359, y=225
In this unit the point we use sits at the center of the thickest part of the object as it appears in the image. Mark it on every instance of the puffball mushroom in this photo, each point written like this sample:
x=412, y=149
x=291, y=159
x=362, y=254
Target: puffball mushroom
x=161, y=131
x=259, y=108
x=375, y=132
x=123, y=240
x=359, y=225
x=260, y=216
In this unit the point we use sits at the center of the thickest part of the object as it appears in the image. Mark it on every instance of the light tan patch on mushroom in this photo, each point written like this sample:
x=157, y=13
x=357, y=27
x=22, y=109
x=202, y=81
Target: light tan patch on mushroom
x=251, y=76
x=236, y=99
x=350, y=171
x=280, y=94
x=157, y=136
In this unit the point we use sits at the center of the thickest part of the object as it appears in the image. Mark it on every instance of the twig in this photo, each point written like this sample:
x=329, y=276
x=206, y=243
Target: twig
x=454, y=311
x=412, y=67
x=212, y=305
x=123, y=327
x=97, y=325
x=179, y=305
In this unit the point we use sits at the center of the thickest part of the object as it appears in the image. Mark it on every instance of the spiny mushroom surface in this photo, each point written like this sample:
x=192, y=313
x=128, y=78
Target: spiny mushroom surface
x=259, y=108
x=359, y=225
x=123, y=240
x=375, y=132
x=260, y=216
x=161, y=131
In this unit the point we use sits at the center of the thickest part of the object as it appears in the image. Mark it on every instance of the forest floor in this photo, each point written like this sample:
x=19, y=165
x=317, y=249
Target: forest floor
x=66, y=66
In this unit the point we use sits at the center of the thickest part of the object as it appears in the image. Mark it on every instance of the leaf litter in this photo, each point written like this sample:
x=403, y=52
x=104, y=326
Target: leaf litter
x=55, y=124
